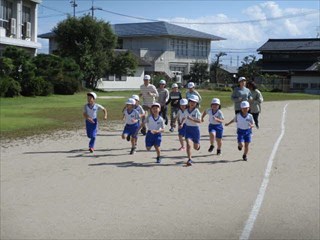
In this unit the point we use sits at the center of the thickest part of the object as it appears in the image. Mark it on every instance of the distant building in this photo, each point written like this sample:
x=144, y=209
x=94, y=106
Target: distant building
x=163, y=47
x=19, y=24
x=296, y=60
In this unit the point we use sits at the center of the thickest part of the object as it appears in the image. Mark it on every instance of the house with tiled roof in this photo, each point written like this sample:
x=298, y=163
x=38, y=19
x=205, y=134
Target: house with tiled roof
x=164, y=48
x=296, y=60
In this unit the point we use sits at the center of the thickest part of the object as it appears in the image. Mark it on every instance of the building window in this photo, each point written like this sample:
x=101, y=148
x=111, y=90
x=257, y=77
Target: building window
x=179, y=46
x=200, y=48
x=115, y=78
x=6, y=13
x=315, y=85
x=300, y=86
x=121, y=78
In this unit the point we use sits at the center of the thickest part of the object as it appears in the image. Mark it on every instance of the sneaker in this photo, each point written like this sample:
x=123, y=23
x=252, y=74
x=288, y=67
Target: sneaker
x=239, y=148
x=91, y=150
x=171, y=129
x=211, y=148
x=182, y=149
x=133, y=150
x=128, y=138
x=218, y=152
x=244, y=157
x=158, y=160
x=166, y=122
x=143, y=131
x=189, y=162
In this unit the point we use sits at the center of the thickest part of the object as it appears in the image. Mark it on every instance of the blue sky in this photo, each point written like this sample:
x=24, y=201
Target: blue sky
x=260, y=20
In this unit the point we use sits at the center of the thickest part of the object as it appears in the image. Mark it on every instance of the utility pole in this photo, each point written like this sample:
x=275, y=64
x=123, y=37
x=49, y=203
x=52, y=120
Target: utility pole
x=74, y=5
x=94, y=8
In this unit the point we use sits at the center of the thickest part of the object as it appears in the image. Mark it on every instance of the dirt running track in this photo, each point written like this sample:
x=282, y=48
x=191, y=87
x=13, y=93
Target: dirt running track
x=52, y=188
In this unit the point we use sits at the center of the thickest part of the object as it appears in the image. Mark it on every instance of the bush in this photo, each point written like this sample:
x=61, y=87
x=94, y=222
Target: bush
x=36, y=87
x=66, y=86
x=9, y=87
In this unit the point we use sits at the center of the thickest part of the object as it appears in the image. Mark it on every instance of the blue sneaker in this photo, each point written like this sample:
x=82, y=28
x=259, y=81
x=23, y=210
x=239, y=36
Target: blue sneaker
x=158, y=160
x=189, y=162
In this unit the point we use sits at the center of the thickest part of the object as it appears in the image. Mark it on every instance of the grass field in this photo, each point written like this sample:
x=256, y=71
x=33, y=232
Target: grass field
x=26, y=116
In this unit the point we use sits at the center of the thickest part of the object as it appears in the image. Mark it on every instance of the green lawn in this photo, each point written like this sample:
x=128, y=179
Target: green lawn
x=26, y=116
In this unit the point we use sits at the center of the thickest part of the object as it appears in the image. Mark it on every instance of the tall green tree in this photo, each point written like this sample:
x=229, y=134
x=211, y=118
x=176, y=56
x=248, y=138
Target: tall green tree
x=198, y=72
x=215, y=67
x=250, y=67
x=91, y=43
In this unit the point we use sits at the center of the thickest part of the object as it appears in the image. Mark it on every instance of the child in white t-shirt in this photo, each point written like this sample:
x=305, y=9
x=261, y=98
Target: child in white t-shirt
x=181, y=115
x=155, y=125
x=215, y=127
x=131, y=117
x=245, y=124
x=90, y=112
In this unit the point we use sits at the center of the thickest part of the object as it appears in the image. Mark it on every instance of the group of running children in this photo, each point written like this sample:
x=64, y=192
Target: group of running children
x=188, y=118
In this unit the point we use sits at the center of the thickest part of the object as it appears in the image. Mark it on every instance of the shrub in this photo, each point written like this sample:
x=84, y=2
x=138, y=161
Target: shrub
x=66, y=86
x=9, y=87
x=36, y=87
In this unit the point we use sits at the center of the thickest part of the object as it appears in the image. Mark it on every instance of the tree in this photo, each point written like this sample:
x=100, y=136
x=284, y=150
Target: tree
x=198, y=72
x=123, y=64
x=215, y=66
x=90, y=43
x=250, y=68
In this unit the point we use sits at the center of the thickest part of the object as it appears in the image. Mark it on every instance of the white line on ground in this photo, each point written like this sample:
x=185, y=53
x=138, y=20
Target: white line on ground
x=257, y=205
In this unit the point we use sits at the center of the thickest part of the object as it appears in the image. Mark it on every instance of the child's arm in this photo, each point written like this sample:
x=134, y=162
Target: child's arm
x=203, y=115
x=194, y=119
x=105, y=113
x=218, y=120
x=227, y=124
x=86, y=116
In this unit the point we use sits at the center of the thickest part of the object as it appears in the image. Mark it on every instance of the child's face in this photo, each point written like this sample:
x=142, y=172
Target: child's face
x=90, y=99
x=245, y=110
x=155, y=110
x=175, y=89
x=192, y=104
x=214, y=107
x=183, y=107
x=129, y=106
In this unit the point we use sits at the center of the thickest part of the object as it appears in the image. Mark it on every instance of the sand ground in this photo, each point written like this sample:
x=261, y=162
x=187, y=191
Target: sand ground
x=52, y=188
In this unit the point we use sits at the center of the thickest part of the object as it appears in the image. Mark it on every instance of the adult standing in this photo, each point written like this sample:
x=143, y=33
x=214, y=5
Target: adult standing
x=149, y=93
x=255, y=102
x=191, y=91
x=240, y=93
x=162, y=99
x=174, y=99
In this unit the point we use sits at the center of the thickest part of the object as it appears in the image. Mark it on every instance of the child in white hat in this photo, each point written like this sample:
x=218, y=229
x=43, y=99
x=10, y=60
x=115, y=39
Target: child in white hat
x=131, y=117
x=245, y=124
x=181, y=115
x=90, y=112
x=215, y=127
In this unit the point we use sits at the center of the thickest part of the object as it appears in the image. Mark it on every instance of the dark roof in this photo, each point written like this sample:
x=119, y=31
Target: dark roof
x=286, y=66
x=159, y=29
x=47, y=35
x=229, y=69
x=302, y=44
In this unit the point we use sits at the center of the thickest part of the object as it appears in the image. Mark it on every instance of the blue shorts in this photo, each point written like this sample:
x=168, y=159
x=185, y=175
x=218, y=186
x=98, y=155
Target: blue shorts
x=193, y=133
x=182, y=131
x=131, y=130
x=244, y=135
x=216, y=128
x=153, y=139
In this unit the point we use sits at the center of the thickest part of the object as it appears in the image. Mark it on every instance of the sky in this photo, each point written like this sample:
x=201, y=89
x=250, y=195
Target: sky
x=246, y=25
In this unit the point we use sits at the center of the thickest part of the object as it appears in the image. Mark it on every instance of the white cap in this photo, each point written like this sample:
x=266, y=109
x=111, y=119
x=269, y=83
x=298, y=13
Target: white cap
x=190, y=85
x=135, y=97
x=162, y=82
x=194, y=98
x=174, y=85
x=94, y=95
x=131, y=101
x=215, y=101
x=244, y=104
x=146, y=77
x=156, y=104
x=242, y=79
x=183, y=102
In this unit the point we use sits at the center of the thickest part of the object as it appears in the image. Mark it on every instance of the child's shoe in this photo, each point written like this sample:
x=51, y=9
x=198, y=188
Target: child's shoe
x=133, y=150
x=218, y=152
x=91, y=150
x=158, y=160
x=171, y=129
x=189, y=162
x=244, y=157
x=182, y=149
x=211, y=148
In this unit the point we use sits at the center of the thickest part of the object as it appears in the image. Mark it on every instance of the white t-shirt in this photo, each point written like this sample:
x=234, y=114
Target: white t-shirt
x=244, y=122
x=139, y=109
x=181, y=115
x=212, y=115
x=195, y=113
x=92, y=111
x=130, y=116
x=155, y=124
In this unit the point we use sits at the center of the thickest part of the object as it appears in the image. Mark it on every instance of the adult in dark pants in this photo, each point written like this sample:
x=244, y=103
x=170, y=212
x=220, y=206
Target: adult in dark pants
x=255, y=102
x=174, y=98
x=162, y=99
